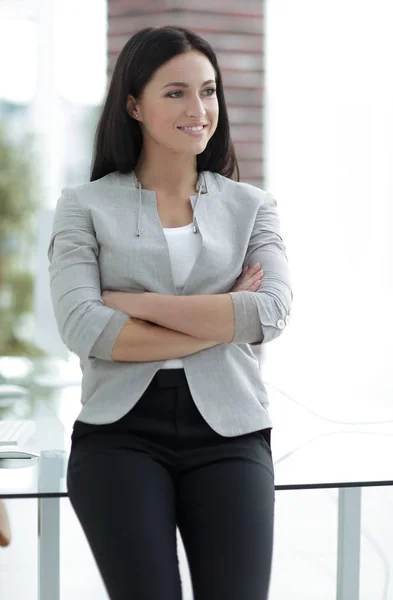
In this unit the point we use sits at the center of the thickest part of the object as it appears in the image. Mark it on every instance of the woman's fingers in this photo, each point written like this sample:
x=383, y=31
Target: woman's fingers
x=257, y=275
x=250, y=278
x=254, y=269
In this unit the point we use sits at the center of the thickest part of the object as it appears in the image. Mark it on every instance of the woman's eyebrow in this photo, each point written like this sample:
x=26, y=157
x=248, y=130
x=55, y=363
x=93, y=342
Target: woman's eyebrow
x=185, y=85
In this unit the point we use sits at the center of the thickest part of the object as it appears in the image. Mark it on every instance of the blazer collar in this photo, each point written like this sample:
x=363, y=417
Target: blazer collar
x=207, y=184
x=208, y=180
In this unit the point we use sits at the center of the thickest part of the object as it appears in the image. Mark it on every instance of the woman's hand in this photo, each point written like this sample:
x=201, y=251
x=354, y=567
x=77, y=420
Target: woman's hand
x=111, y=299
x=249, y=280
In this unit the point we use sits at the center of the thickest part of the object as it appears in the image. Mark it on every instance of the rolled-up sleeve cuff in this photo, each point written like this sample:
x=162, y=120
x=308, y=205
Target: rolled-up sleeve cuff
x=258, y=318
x=103, y=346
x=248, y=328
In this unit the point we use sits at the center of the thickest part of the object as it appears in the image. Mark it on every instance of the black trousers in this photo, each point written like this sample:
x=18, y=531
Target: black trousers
x=161, y=466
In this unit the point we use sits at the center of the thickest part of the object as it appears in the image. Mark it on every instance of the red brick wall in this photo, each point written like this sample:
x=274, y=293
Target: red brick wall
x=235, y=30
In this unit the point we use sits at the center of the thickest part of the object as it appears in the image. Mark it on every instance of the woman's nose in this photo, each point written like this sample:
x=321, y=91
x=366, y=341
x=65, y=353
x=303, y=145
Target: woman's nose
x=196, y=108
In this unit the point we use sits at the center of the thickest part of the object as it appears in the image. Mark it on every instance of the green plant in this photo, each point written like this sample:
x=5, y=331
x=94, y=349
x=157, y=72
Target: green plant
x=18, y=209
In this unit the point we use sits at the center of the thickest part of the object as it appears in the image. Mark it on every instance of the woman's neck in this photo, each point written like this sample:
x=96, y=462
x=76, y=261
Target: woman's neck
x=169, y=180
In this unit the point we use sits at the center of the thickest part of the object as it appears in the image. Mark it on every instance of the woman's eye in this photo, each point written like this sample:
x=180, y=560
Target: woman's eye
x=212, y=90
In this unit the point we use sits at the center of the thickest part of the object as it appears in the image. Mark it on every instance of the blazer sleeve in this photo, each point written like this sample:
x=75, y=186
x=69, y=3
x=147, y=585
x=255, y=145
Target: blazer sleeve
x=262, y=316
x=86, y=326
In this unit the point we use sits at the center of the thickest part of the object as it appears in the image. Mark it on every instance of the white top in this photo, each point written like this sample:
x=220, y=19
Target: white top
x=184, y=247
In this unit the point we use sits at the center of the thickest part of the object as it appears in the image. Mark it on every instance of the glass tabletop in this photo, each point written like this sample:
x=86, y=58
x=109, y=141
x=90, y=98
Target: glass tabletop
x=308, y=450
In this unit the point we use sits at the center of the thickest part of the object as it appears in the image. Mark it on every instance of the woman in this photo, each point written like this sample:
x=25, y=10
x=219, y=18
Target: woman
x=150, y=288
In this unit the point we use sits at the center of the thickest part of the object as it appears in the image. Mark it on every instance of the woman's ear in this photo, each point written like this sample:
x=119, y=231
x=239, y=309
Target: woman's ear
x=132, y=107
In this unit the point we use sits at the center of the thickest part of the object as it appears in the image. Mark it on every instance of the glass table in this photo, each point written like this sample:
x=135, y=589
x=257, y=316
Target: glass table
x=308, y=454
x=47, y=484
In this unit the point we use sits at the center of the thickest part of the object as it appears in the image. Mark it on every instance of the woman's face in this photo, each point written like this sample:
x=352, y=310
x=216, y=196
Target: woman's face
x=182, y=92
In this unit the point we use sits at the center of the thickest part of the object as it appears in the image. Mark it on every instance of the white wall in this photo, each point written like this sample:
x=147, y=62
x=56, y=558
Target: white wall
x=328, y=152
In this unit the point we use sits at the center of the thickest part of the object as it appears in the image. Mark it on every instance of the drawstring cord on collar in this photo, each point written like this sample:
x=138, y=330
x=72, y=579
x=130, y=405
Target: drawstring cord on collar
x=199, y=188
x=140, y=207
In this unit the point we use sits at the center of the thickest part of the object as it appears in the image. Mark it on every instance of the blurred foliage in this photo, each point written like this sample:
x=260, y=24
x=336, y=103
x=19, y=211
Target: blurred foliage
x=18, y=210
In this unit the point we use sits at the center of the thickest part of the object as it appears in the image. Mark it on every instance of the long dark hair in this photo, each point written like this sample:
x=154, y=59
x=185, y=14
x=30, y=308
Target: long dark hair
x=118, y=138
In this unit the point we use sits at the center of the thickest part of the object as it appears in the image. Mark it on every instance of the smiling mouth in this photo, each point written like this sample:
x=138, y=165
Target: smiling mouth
x=194, y=128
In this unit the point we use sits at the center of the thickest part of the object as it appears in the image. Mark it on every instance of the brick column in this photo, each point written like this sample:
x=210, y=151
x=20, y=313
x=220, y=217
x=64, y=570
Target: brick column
x=234, y=28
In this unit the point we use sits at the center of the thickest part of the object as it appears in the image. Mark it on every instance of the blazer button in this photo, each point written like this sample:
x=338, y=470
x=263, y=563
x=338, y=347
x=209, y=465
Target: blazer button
x=287, y=319
x=281, y=323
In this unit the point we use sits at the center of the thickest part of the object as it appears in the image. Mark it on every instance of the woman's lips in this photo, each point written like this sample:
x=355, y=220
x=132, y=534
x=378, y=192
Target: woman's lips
x=195, y=134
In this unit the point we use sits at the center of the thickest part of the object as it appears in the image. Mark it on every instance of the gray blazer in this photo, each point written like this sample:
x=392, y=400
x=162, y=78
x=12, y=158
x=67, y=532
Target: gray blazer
x=107, y=234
